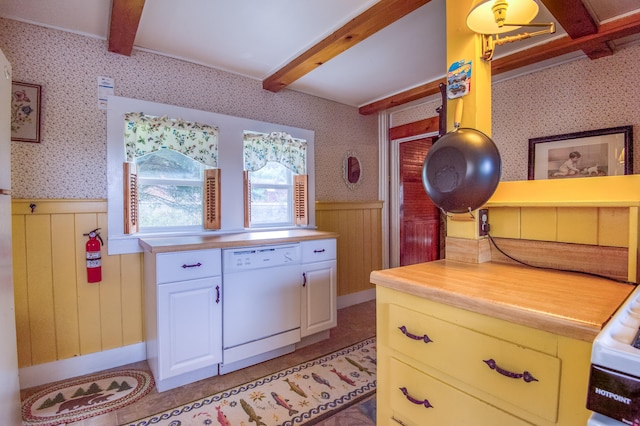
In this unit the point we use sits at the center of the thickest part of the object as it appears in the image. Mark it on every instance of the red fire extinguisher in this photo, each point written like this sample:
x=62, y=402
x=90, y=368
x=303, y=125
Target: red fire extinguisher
x=94, y=262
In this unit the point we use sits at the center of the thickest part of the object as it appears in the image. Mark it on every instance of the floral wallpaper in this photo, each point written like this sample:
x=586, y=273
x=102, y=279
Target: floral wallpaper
x=573, y=97
x=70, y=162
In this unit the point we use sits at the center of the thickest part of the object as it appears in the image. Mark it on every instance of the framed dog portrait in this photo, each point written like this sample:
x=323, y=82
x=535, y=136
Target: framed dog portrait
x=593, y=153
x=25, y=112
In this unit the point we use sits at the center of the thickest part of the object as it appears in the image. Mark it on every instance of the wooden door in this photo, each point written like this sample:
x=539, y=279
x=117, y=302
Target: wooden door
x=419, y=217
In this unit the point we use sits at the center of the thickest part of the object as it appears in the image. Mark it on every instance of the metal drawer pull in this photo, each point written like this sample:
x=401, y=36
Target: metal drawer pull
x=217, y=294
x=319, y=251
x=185, y=266
x=424, y=402
x=424, y=338
x=526, y=376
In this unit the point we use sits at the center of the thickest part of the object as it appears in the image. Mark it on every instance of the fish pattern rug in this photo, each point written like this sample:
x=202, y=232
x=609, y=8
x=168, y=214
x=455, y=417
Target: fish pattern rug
x=304, y=394
x=85, y=397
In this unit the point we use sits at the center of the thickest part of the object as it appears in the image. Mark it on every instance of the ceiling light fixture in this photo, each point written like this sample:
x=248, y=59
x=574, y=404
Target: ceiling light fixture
x=489, y=18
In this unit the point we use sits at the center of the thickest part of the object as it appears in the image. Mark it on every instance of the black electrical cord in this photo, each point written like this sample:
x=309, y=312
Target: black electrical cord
x=555, y=269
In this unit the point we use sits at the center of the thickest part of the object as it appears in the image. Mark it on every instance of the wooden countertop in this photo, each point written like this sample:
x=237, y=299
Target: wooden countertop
x=241, y=239
x=569, y=304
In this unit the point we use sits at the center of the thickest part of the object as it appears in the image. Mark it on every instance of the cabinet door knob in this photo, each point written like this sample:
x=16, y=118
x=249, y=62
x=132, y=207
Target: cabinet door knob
x=424, y=337
x=525, y=375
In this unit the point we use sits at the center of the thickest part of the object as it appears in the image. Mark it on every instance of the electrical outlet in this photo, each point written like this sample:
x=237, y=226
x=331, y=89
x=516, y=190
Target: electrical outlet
x=483, y=222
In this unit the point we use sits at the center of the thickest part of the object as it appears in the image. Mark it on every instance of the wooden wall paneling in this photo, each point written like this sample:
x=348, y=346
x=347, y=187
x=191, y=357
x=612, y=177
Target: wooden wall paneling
x=613, y=226
x=131, y=292
x=110, y=294
x=88, y=294
x=65, y=292
x=609, y=261
x=21, y=299
x=538, y=223
x=578, y=225
x=39, y=288
x=634, y=247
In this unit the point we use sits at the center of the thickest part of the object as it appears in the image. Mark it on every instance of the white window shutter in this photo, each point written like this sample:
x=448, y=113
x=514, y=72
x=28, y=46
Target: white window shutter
x=130, y=198
x=212, y=198
x=300, y=202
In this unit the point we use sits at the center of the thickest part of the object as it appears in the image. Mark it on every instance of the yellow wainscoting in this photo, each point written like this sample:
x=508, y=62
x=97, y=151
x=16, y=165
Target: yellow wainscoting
x=359, y=244
x=58, y=314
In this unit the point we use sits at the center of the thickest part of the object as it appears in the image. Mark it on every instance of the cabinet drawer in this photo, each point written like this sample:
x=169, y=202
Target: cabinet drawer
x=318, y=250
x=500, y=371
x=429, y=401
x=187, y=265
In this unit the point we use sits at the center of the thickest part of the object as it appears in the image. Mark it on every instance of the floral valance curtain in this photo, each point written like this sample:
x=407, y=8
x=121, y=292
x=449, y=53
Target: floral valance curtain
x=280, y=147
x=144, y=134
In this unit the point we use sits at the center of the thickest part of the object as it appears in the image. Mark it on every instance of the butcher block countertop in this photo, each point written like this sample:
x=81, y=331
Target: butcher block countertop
x=568, y=304
x=241, y=239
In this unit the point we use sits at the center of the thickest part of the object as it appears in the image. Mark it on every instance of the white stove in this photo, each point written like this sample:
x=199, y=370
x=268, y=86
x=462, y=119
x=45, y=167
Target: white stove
x=614, y=383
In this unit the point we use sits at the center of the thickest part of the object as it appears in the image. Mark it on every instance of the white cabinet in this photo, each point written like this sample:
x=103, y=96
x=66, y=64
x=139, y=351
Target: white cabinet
x=318, y=297
x=183, y=313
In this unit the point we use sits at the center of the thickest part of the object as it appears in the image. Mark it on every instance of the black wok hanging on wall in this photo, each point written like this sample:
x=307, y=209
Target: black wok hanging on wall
x=462, y=169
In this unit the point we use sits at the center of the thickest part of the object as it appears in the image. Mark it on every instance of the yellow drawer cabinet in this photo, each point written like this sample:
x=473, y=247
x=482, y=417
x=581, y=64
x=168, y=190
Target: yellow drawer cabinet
x=473, y=368
x=418, y=399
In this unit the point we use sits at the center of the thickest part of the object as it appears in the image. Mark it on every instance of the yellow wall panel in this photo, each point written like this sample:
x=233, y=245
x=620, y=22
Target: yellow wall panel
x=613, y=226
x=131, y=291
x=40, y=288
x=578, y=225
x=110, y=295
x=538, y=223
x=64, y=286
x=88, y=293
x=359, y=244
x=504, y=222
x=21, y=299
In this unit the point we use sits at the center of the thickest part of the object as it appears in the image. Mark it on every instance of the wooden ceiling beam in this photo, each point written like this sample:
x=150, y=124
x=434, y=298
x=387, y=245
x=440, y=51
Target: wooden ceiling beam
x=572, y=16
x=378, y=16
x=606, y=33
x=125, y=17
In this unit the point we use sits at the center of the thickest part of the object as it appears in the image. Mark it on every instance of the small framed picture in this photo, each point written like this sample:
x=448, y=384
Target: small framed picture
x=25, y=112
x=603, y=152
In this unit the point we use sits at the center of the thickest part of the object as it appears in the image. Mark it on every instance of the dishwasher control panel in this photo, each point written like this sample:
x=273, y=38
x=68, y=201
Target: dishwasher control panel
x=247, y=258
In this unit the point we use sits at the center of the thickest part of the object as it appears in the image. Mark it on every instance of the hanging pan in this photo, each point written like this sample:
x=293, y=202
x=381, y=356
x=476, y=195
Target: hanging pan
x=462, y=169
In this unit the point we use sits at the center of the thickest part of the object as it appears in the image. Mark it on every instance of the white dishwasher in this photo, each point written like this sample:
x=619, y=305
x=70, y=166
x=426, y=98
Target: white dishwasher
x=261, y=303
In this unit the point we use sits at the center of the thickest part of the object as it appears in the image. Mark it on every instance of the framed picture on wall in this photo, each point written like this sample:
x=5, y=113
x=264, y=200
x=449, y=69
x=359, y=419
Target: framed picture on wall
x=25, y=112
x=603, y=152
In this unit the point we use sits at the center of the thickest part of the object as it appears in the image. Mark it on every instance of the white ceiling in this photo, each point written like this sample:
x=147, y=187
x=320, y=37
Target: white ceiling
x=255, y=38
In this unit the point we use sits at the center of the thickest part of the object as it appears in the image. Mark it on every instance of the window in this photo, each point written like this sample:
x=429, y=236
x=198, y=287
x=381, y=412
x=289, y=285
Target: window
x=224, y=207
x=171, y=181
x=275, y=180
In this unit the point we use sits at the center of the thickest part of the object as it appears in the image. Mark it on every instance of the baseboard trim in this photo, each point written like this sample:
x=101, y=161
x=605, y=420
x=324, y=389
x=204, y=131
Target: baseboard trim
x=355, y=298
x=78, y=366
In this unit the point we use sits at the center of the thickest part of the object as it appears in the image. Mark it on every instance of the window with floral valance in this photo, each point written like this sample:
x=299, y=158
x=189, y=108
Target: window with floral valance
x=275, y=183
x=144, y=134
x=170, y=174
x=279, y=147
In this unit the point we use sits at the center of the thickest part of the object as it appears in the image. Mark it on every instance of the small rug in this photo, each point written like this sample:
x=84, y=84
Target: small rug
x=304, y=394
x=82, y=398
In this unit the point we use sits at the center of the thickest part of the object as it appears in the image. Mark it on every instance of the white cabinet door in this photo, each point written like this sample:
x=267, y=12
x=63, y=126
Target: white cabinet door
x=318, y=303
x=189, y=326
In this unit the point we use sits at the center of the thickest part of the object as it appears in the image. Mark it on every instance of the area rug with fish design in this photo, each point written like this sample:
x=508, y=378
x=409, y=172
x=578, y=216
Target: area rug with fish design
x=85, y=397
x=304, y=394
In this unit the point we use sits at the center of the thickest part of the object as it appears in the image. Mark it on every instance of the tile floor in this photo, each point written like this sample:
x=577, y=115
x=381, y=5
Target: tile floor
x=355, y=323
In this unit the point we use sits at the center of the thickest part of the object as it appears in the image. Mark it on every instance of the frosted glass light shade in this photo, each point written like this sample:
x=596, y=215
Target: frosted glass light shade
x=482, y=19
